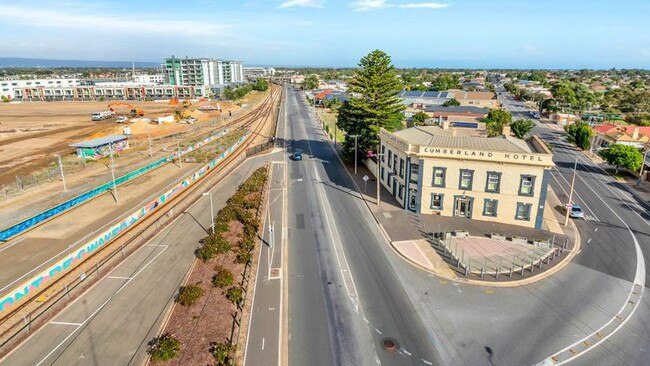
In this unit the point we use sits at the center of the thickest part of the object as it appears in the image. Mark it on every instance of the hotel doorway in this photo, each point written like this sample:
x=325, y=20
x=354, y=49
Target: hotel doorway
x=463, y=206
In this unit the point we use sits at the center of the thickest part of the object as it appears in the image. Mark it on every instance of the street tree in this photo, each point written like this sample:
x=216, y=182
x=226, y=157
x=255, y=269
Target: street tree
x=521, y=128
x=419, y=118
x=496, y=119
x=375, y=103
x=451, y=103
x=310, y=82
x=580, y=133
x=623, y=156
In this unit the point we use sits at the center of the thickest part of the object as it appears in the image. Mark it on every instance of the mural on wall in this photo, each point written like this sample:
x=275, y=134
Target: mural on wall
x=103, y=150
x=26, y=224
x=73, y=259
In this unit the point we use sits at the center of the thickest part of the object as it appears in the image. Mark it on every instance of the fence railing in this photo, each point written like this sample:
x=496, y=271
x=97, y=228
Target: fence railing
x=525, y=257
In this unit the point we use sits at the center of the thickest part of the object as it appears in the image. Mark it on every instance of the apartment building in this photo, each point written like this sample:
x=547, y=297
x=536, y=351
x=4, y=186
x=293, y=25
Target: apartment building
x=202, y=71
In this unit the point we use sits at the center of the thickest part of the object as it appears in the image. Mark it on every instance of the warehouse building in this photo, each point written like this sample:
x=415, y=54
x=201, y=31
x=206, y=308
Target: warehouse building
x=436, y=171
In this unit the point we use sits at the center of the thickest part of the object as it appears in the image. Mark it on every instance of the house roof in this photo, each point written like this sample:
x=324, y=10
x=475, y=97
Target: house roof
x=457, y=110
x=604, y=127
x=100, y=141
x=436, y=136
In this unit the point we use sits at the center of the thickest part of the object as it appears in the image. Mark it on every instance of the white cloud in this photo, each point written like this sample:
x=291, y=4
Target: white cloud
x=365, y=5
x=301, y=3
x=424, y=5
x=89, y=22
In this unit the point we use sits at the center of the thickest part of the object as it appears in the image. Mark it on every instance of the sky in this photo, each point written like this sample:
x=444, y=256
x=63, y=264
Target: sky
x=336, y=33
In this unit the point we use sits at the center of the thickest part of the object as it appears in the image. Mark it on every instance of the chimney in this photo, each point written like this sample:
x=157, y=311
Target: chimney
x=635, y=133
x=506, y=130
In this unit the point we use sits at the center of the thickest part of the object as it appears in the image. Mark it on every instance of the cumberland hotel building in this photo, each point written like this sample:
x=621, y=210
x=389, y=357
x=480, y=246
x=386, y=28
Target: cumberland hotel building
x=436, y=171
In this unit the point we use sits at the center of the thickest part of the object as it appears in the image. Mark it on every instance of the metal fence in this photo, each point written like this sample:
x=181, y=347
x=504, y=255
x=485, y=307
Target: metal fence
x=524, y=260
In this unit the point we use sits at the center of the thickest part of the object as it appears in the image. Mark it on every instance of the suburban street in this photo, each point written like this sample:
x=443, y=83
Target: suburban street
x=447, y=322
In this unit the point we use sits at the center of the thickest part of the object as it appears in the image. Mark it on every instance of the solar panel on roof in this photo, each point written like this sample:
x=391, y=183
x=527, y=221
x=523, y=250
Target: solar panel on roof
x=444, y=95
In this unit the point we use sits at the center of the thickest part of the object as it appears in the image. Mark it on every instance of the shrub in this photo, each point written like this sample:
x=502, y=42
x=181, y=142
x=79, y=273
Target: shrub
x=189, y=295
x=206, y=252
x=222, y=353
x=164, y=348
x=222, y=278
x=235, y=294
x=244, y=256
x=218, y=243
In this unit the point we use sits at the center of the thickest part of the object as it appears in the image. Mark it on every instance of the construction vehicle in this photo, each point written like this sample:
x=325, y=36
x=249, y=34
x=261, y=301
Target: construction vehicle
x=134, y=112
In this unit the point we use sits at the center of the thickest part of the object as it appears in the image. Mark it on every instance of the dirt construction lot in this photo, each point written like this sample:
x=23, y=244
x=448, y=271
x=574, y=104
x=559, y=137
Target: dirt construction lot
x=31, y=133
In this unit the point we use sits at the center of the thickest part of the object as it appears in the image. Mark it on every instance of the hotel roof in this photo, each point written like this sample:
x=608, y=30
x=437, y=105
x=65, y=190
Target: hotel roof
x=437, y=137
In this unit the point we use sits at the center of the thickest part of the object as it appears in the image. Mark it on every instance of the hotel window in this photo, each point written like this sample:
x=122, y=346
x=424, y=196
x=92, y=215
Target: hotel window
x=394, y=163
x=523, y=211
x=383, y=153
x=438, y=179
x=465, y=180
x=436, y=201
x=493, y=182
x=401, y=191
x=390, y=157
x=382, y=173
x=527, y=185
x=490, y=207
x=401, y=168
x=415, y=172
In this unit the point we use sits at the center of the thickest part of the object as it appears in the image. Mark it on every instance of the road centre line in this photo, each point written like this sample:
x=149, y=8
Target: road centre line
x=67, y=323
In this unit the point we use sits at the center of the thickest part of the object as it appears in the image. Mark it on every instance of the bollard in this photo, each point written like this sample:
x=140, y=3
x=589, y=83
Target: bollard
x=496, y=275
x=510, y=274
x=522, y=269
x=482, y=270
x=466, y=272
x=67, y=292
x=532, y=266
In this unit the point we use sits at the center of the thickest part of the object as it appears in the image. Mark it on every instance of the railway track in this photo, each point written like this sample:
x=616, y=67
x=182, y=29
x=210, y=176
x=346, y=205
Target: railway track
x=18, y=322
x=241, y=122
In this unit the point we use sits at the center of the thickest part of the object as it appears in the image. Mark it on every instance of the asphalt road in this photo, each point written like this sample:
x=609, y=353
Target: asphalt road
x=112, y=322
x=344, y=296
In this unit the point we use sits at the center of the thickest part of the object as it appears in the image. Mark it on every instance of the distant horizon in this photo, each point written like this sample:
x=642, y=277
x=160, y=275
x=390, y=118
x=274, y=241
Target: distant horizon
x=154, y=64
x=499, y=34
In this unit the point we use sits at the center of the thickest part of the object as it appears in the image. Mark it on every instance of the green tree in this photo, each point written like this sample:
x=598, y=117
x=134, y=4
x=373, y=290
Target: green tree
x=375, y=103
x=311, y=82
x=446, y=82
x=623, y=156
x=580, y=133
x=451, y=103
x=521, y=128
x=223, y=353
x=419, y=118
x=495, y=120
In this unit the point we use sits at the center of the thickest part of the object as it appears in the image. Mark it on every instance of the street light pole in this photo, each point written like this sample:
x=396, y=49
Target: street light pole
x=62, y=175
x=211, y=210
x=110, y=147
x=569, y=206
x=355, y=154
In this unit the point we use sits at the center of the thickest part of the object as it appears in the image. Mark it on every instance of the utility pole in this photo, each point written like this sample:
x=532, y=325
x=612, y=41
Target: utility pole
x=356, y=150
x=377, y=175
x=569, y=205
x=211, y=210
x=180, y=158
x=149, y=138
x=645, y=157
x=62, y=175
x=110, y=147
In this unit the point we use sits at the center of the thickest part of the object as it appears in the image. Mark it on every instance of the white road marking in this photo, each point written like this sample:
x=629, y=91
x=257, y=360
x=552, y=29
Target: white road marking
x=427, y=362
x=378, y=331
x=263, y=343
x=407, y=352
x=67, y=323
x=118, y=277
x=2, y=249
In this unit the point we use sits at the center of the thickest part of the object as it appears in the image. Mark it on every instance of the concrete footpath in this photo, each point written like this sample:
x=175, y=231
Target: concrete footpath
x=114, y=320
